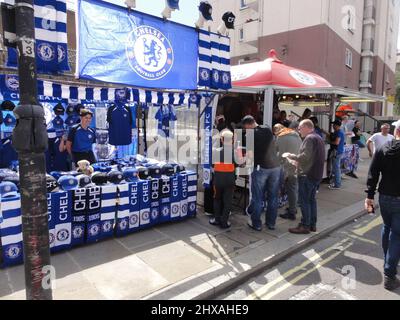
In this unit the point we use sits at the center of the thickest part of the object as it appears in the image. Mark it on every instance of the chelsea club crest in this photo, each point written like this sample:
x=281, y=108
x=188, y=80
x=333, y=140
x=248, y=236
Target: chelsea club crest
x=12, y=82
x=46, y=51
x=149, y=53
x=13, y=251
x=61, y=53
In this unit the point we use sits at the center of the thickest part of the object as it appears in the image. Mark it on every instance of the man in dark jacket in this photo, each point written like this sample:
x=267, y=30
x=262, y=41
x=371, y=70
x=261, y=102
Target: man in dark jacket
x=310, y=166
x=265, y=175
x=386, y=163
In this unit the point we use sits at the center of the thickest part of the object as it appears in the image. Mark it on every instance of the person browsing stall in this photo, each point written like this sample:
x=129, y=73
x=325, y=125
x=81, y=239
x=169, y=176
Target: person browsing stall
x=81, y=138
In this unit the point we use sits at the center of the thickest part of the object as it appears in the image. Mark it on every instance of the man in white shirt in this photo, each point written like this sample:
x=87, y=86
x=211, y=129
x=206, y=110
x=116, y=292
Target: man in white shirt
x=379, y=139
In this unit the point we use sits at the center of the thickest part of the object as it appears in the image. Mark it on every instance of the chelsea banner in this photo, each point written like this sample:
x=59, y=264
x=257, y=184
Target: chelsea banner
x=134, y=48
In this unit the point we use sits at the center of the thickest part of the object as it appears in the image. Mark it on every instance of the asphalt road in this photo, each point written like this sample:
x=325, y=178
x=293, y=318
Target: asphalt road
x=347, y=265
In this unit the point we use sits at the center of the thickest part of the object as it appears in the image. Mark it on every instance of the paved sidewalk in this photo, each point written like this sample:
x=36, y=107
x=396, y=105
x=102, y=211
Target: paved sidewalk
x=189, y=259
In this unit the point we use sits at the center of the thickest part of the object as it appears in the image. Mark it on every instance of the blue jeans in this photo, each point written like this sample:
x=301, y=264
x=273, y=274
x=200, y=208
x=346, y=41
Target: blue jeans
x=337, y=171
x=264, y=180
x=308, y=203
x=390, y=211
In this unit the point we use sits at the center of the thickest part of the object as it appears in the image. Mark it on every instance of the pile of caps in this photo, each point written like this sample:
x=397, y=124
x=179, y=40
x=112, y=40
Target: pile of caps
x=115, y=172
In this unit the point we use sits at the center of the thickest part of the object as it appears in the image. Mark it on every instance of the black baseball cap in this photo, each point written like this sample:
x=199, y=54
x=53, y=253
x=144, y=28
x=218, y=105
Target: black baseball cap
x=229, y=19
x=70, y=110
x=168, y=169
x=206, y=10
x=78, y=108
x=84, y=180
x=99, y=178
x=115, y=177
x=143, y=173
x=155, y=171
x=7, y=105
x=51, y=183
x=58, y=109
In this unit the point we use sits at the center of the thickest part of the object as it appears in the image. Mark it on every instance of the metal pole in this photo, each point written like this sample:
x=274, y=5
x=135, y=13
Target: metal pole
x=31, y=162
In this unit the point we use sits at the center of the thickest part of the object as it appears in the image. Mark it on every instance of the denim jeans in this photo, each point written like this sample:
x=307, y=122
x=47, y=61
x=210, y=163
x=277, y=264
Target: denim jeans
x=264, y=180
x=390, y=211
x=308, y=202
x=291, y=186
x=337, y=171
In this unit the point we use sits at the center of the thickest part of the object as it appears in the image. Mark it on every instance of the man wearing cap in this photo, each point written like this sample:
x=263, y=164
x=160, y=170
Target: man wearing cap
x=339, y=141
x=81, y=138
x=385, y=164
x=265, y=176
x=379, y=139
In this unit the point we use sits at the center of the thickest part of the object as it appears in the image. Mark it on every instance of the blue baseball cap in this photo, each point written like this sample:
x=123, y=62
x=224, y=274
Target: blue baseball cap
x=12, y=178
x=68, y=182
x=71, y=120
x=5, y=173
x=58, y=123
x=173, y=4
x=8, y=189
x=206, y=10
x=131, y=174
x=9, y=120
x=59, y=174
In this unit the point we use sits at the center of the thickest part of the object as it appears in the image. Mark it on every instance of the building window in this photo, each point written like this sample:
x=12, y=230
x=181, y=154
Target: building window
x=241, y=34
x=351, y=21
x=243, y=4
x=349, y=58
x=390, y=50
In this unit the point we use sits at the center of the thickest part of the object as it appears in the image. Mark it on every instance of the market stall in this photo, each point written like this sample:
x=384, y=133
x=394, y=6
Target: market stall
x=139, y=179
x=260, y=88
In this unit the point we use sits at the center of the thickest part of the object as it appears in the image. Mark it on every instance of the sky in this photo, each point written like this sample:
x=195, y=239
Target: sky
x=188, y=13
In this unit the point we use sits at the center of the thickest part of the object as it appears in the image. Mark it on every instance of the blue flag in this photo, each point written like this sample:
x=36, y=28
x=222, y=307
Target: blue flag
x=51, y=37
x=134, y=48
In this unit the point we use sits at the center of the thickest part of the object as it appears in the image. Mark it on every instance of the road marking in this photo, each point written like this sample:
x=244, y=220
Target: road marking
x=374, y=223
x=340, y=247
x=314, y=290
x=363, y=239
x=267, y=287
x=268, y=296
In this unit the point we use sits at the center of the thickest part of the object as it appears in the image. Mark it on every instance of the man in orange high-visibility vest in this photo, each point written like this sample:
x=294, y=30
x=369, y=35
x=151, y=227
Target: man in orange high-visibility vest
x=224, y=180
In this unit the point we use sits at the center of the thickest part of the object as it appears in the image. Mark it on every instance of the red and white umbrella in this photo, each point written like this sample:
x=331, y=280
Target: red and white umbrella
x=272, y=71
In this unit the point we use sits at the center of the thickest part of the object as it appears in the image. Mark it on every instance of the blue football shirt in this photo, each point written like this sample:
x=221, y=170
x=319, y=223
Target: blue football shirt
x=82, y=139
x=119, y=118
